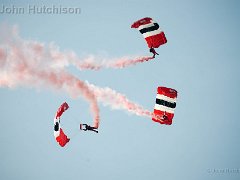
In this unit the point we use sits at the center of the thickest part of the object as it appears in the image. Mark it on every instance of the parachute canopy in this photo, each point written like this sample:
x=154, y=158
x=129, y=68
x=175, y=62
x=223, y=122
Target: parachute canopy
x=150, y=30
x=165, y=105
x=59, y=135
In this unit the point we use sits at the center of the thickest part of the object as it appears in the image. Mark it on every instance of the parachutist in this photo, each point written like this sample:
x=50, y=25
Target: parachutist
x=59, y=135
x=165, y=117
x=56, y=127
x=86, y=127
x=165, y=104
x=151, y=32
x=152, y=50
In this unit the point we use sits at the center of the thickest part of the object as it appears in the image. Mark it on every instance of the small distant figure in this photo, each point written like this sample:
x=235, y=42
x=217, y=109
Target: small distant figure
x=165, y=117
x=86, y=127
x=152, y=50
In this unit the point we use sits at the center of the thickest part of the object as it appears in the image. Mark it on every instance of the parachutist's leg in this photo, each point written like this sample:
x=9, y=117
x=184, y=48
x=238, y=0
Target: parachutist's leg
x=95, y=131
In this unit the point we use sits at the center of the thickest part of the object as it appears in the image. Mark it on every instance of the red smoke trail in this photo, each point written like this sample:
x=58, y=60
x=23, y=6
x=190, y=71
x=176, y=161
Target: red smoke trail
x=124, y=62
x=117, y=101
x=66, y=58
x=34, y=64
x=93, y=64
x=31, y=64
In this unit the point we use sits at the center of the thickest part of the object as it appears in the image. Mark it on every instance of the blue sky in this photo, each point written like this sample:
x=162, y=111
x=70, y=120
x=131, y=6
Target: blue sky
x=200, y=60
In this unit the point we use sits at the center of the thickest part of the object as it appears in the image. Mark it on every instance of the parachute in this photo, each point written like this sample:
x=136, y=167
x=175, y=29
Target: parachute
x=59, y=135
x=150, y=30
x=165, y=105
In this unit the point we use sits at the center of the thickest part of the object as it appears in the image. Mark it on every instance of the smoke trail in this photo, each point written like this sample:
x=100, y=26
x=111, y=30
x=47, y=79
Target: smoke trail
x=65, y=58
x=92, y=63
x=124, y=62
x=32, y=64
x=117, y=101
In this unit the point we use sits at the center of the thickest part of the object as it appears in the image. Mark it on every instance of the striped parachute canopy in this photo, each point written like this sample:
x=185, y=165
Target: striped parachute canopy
x=165, y=105
x=59, y=135
x=150, y=30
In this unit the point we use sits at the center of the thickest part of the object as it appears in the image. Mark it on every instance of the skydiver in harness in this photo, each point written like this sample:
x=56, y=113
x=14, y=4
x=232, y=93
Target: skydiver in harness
x=152, y=50
x=164, y=117
x=86, y=127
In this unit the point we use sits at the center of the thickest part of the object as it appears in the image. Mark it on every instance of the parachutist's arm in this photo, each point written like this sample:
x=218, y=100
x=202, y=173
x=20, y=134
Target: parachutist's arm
x=86, y=127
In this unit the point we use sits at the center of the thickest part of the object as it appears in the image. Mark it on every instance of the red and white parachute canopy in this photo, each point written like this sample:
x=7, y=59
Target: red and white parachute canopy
x=165, y=105
x=150, y=30
x=61, y=138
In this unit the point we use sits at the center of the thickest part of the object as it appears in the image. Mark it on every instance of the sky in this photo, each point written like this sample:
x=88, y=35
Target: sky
x=200, y=61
